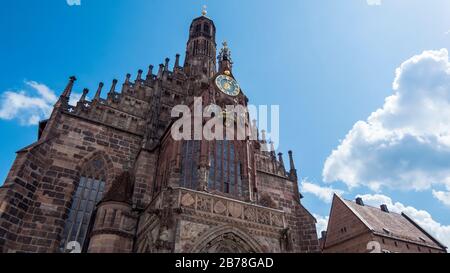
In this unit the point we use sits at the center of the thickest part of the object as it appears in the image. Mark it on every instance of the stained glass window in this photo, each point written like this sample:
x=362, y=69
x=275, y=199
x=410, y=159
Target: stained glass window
x=225, y=169
x=88, y=194
x=190, y=154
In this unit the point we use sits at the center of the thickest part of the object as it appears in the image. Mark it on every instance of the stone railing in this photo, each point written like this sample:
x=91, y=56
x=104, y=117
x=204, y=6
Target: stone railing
x=203, y=202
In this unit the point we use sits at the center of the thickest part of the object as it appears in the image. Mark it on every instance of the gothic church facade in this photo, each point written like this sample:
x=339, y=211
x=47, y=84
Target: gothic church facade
x=107, y=176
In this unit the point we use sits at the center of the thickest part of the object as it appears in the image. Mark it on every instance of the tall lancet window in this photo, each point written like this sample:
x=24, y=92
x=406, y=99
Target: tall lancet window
x=190, y=156
x=225, y=168
x=88, y=194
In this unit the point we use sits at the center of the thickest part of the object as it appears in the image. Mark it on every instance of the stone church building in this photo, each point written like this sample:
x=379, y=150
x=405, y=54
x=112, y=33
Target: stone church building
x=107, y=176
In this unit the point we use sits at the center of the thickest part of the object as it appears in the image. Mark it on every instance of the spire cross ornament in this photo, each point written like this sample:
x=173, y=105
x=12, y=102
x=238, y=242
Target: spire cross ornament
x=204, y=11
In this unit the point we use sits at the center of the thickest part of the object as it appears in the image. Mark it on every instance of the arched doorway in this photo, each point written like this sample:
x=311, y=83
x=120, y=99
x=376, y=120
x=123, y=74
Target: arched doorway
x=226, y=240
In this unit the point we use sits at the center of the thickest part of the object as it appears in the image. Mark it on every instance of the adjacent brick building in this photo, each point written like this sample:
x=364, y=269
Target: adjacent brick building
x=107, y=176
x=354, y=227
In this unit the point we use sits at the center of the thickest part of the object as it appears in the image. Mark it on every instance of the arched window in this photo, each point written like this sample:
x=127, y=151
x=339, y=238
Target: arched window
x=198, y=28
x=206, y=28
x=225, y=168
x=190, y=155
x=88, y=194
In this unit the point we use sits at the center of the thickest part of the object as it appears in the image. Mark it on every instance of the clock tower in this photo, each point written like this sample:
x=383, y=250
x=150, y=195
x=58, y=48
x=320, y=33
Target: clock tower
x=200, y=62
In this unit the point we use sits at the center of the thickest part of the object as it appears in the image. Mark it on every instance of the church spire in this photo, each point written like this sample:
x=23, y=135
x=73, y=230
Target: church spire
x=225, y=61
x=201, y=48
x=99, y=91
x=293, y=171
x=68, y=89
x=65, y=96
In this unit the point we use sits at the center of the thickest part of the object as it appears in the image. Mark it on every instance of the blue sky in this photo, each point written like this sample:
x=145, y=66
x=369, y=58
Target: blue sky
x=327, y=63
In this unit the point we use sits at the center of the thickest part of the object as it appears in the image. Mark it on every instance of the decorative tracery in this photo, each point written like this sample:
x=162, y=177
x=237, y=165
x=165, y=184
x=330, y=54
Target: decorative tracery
x=89, y=191
x=225, y=168
x=190, y=155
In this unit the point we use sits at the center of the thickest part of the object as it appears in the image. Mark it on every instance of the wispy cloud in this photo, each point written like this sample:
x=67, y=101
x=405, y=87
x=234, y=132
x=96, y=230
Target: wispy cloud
x=442, y=196
x=29, y=105
x=322, y=223
x=323, y=193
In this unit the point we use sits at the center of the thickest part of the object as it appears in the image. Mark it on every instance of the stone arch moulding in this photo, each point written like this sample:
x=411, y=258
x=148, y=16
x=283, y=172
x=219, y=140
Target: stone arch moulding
x=109, y=169
x=240, y=240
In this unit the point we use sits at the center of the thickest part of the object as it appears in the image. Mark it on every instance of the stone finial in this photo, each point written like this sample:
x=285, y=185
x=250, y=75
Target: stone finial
x=280, y=158
x=113, y=87
x=293, y=171
x=139, y=75
x=177, y=61
x=204, y=10
x=83, y=97
x=128, y=77
x=166, y=65
x=68, y=89
x=99, y=91
x=291, y=160
x=160, y=71
x=150, y=72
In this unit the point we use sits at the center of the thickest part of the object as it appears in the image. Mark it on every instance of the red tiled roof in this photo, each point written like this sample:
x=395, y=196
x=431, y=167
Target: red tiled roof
x=391, y=224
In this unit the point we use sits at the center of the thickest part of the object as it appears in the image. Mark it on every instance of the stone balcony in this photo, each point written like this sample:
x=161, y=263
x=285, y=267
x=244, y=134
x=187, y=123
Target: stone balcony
x=214, y=210
x=227, y=209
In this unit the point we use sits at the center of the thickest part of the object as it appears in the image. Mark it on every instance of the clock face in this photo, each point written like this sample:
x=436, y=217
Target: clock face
x=228, y=85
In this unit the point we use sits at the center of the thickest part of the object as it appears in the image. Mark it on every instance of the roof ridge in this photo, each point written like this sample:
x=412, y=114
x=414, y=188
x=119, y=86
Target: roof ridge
x=373, y=207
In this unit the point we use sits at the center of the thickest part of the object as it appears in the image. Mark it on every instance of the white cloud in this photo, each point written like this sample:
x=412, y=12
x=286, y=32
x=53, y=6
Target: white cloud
x=442, y=196
x=422, y=217
x=73, y=2
x=26, y=108
x=323, y=193
x=373, y=2
x=46, y=93
x=406, y=143
x=74, y=98
x=322, y=223
x=30, y=106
